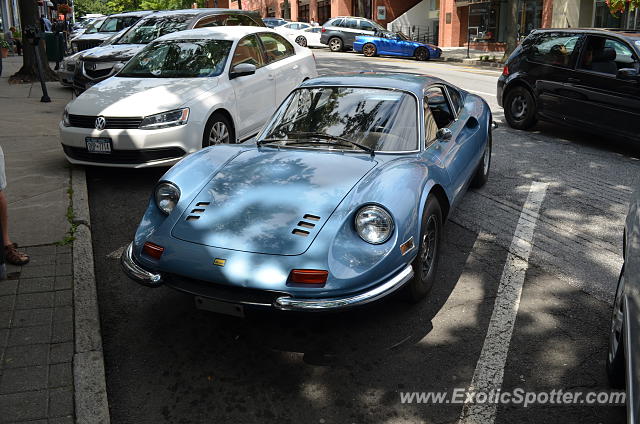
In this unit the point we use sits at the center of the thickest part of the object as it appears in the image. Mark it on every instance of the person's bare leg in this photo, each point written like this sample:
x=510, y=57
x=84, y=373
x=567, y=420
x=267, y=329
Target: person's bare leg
x=6, y=241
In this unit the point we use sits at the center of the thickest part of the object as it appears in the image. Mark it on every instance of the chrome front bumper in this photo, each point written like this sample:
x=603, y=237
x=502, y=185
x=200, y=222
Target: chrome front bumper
x=136, y=272
x=285, y=303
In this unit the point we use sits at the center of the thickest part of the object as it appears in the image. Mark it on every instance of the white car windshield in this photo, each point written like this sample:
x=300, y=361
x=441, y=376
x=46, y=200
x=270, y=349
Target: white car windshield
x=179, y=59
x=115, y=24
x=338, y=117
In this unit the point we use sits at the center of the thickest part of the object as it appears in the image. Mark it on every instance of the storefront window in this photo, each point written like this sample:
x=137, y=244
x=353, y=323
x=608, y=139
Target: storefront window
x=604, y=19
x=488, y=19
x=529, y=16
x=361, y=8
x=324, y=11
x=303, y=12
x=483, y=18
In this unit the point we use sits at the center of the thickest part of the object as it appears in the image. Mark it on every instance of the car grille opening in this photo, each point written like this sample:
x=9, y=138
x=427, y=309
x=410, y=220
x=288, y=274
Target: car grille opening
x=98, y=73
x=306, y=224
x=124, y=156
x=87, y=44
x=89, y=121
x=311, y=217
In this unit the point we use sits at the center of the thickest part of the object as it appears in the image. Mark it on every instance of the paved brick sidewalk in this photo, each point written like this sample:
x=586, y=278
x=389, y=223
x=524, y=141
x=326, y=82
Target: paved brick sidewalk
x=36, y=339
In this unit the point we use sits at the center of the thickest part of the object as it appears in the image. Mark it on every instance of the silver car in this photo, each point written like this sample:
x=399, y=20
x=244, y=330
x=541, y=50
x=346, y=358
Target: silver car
x=623, y=359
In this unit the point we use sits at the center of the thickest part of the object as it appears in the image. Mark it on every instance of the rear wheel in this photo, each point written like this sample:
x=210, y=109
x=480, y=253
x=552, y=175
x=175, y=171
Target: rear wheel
x=301, y=40
x=422, y=54
x=218, y=131
x=336, y=44
x=482, y=173
x=426, y=263
x=369, y=50
x=520, y=108
x=615, y=354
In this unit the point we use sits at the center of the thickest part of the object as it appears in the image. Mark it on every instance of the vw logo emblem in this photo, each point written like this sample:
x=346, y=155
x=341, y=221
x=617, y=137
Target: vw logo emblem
x=100, y=123
x=90, y=66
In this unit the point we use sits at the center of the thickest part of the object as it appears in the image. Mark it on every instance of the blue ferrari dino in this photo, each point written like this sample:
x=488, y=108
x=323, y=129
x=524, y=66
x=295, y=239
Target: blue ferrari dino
x=395, y=44
x=340, y=201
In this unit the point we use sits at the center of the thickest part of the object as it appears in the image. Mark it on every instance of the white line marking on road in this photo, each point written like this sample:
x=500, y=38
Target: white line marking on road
x=117, y=253
x=481, y=92
x=489, y=370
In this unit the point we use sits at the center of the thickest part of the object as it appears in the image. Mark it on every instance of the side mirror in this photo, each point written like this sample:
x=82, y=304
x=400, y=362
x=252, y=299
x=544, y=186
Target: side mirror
x=627, y=74
x=118, y=67
x=241, y=70
x=444, y=134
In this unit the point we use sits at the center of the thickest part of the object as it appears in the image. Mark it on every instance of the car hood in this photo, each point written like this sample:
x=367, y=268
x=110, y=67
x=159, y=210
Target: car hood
x=112, y=52
x=95, y=36
x=128, y=97
x=256, y=201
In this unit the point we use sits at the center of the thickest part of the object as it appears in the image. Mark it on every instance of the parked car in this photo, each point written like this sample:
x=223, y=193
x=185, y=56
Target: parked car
x=111, y=25
x=624, y=344
x=91, y=27
x=340, y=201
x=340, y=33
x=395, y=44
x=185, y=91
x=302, y=33
x=274, y=22
x=100, y=64
x=587, y=78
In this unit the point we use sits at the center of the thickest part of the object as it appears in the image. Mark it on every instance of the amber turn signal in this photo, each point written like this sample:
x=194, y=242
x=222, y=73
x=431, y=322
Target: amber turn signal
x=152, y=250
x=308, y=276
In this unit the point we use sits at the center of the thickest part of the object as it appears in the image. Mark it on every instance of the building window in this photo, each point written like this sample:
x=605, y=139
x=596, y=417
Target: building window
x=303, y=12
x=324, y=11
x=361, y=8
x=286, y=12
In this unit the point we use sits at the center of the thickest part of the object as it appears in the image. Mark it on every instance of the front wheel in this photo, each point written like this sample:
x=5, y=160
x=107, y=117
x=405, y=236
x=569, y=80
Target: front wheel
x=615, y=354
x=520, y=108
x=426, y=262
x=422, y=54
x=481, y=176
x=336, y=44
x=301, y=40
x=218, y=131
x=369, y=50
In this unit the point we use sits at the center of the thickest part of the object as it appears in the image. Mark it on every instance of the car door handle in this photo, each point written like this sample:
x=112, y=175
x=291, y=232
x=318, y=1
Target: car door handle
x=573, y=80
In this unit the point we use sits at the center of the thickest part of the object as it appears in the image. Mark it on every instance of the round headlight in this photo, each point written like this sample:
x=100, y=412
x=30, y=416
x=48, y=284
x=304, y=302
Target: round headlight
x=374, y=224
x=167, y=196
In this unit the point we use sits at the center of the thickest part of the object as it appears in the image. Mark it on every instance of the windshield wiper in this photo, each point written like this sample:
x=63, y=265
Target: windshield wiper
x=271, y=140
x=335, y=138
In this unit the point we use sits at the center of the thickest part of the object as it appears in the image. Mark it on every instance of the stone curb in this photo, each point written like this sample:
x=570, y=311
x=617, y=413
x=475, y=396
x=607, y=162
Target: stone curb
x=90, y=387
x=474, y=62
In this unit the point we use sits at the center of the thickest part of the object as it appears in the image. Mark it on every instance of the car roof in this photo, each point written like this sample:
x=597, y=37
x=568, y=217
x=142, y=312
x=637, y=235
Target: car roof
x=199, y=12
x=404, y=81
x=221, y=32
x=626, y=33
x=136, y=13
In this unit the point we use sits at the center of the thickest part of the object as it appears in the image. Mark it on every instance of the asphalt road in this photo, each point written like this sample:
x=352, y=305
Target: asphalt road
x=167, y=362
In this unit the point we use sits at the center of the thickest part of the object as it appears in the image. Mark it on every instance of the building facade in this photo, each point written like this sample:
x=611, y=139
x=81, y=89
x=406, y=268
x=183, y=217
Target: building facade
x=9, y=15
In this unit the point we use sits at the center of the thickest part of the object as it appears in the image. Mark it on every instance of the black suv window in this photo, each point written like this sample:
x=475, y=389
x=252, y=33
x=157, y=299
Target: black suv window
x=335, y=22
x=351, y=23
x=225, y=20
x=553, y=48
x=606, y=55
x=366, y=25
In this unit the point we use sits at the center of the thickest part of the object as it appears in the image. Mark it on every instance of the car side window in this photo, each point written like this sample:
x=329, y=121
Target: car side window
x=351, y=23
x=336, y=22
x=606, y=56
x=276, y=47
x=366, y=25
x=248, y=51
x=437, y=102
x=456, y=99
x=553, y=48
x=224, y=20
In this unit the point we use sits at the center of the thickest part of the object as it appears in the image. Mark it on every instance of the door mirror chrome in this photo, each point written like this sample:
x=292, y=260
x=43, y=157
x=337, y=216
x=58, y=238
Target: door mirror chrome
x=444, y=134
x=627, y=74
x=241, y=70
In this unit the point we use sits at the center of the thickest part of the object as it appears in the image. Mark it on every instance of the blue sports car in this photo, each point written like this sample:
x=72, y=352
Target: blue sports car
x=340, y=201
x=395, y=44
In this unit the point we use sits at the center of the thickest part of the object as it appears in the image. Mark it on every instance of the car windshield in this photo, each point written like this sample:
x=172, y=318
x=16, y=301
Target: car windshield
x=151, y=28
x=179, y=59
x=375, y=119
x=115, y=24
x=94, y=26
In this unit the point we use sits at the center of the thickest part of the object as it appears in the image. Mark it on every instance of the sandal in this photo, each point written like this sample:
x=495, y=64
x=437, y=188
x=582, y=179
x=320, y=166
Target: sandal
x=13, y=256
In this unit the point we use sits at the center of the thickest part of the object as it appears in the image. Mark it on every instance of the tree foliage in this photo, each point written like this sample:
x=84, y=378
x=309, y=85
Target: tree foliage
x=83, y=7
x=616, y=6
x=130, y=5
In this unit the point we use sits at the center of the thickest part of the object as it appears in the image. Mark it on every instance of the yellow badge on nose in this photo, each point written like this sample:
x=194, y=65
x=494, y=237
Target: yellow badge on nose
x=219, y=262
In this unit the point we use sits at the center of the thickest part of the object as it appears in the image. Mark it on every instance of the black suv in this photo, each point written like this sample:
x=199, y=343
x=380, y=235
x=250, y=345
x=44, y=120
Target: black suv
x=101, y=63
x=589, y=78
x=111, y=25
x=340, y=33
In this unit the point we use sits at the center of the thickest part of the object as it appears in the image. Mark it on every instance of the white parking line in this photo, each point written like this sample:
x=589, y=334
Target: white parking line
x=489, y=370
x=481, y=92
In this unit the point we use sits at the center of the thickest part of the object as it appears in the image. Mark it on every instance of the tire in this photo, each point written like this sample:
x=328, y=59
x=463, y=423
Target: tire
x=369, y=50
x=301, y=40
x=336, y=44
x=425, y=265
x=520, y=108
x=217, y=124
x=615, y=353
x=481, y=176
x=422, y=54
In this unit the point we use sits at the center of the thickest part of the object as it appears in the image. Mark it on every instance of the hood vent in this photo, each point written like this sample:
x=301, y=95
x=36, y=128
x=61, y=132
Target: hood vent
x=305, y=224
x=196, y=213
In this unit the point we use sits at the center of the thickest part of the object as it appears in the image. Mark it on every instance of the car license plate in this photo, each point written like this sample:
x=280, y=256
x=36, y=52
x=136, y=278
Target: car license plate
x=98, y=145
x=219, y=307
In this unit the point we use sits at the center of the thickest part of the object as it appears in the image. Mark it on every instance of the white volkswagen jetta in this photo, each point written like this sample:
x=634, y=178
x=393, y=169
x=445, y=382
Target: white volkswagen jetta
x=184, y=91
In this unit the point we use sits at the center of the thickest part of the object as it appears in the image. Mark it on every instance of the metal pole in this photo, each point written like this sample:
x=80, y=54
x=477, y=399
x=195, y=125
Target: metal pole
x=468, y=42
x=45, y=95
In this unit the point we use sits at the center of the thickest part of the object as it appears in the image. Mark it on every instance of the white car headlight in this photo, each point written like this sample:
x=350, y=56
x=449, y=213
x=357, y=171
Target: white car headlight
x=374, y=224
x=167, y=196
x=165, y=119
x=65, y=118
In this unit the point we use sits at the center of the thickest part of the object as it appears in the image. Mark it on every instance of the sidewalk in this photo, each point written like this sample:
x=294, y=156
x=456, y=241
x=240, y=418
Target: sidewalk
x=38, y=316
x=459, y=54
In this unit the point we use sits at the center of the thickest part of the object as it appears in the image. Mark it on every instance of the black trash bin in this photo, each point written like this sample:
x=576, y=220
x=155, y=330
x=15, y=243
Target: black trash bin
x=54, y=45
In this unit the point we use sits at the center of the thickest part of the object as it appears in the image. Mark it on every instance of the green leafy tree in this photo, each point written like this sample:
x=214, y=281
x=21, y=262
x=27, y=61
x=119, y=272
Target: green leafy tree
x=83, y=7
x=616, y=6
x=169, y=4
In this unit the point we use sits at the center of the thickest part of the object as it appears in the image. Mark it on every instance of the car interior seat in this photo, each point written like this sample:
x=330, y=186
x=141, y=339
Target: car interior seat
x=604, y=61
